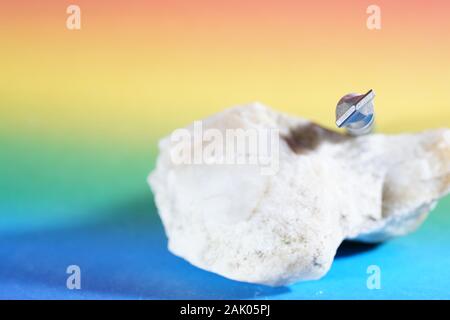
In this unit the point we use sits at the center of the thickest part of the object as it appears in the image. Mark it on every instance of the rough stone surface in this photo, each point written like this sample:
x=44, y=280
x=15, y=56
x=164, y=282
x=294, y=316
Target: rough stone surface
x=281, y=228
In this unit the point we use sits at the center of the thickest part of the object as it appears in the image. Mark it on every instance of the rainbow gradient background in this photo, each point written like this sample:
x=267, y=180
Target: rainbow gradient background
x=81, y=112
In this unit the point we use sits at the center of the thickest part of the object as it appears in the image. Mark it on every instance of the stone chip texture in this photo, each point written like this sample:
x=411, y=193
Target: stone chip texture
x=286, y=227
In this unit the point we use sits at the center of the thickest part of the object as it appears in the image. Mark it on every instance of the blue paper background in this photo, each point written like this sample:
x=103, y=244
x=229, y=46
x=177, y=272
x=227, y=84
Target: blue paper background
x=124, y=256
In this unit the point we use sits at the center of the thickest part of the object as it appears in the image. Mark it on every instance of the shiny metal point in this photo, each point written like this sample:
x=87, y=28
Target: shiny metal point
x=355, y=112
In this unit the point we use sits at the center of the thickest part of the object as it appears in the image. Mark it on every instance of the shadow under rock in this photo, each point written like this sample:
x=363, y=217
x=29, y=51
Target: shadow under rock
x=350, y=248
x=123, y=254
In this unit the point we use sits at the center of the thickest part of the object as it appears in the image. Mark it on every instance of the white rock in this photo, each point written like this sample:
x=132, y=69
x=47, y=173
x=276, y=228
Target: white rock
x=279, y=228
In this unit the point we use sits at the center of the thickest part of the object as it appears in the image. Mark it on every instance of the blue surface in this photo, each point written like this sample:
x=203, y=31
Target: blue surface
x=124, y=256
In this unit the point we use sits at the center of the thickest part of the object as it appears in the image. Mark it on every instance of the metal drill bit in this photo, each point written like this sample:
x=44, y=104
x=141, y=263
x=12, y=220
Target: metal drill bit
x=355, y=112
